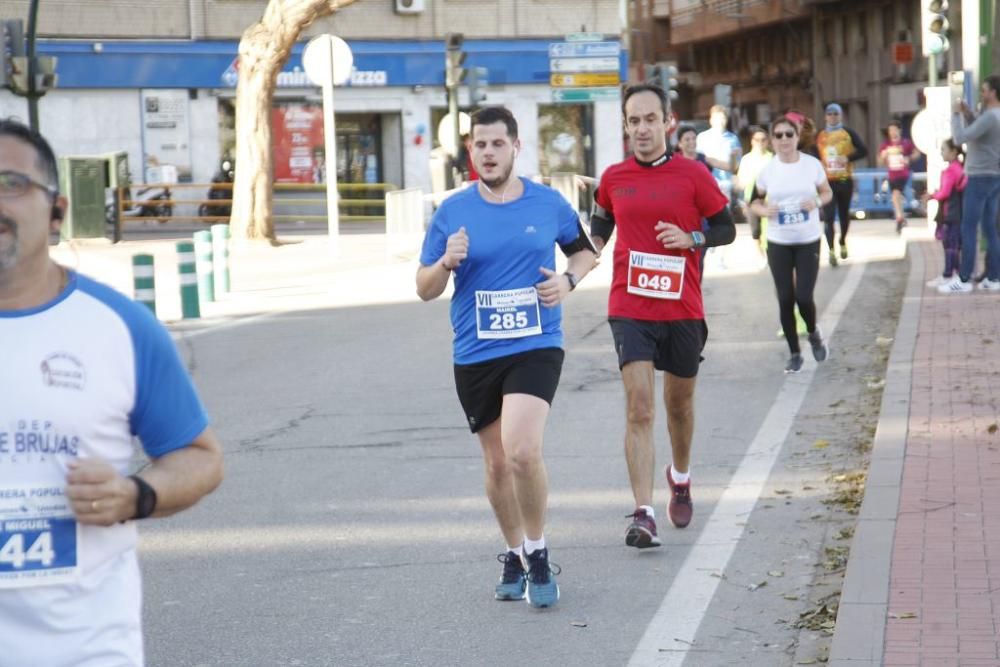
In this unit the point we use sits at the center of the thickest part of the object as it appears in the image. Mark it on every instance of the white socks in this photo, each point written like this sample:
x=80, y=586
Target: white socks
x=531, y=546
x=649, y=511
x=680, y=477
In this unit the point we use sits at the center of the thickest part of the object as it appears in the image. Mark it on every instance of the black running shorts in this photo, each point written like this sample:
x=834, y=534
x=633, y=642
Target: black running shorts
x=482, y=386
x=898, y=183
x=674, y=346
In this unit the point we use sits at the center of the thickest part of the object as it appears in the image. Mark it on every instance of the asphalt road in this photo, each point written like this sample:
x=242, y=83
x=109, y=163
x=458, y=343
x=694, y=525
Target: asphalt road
x=352, y=528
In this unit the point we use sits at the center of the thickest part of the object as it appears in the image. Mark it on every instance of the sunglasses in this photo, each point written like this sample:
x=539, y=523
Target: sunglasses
x=784, y=135
x=16, y=184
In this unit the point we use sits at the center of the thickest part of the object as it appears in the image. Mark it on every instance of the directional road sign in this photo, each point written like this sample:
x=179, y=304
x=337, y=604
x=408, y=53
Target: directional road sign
x=584, y=36
x=584, y=49
x=585, y=79
x=583, y=65
x=571, y=95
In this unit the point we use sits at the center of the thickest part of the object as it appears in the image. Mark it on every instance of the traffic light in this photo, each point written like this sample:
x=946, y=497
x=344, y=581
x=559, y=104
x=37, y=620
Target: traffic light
x=454, y=58
x=934, y=26
x=664, y=76
x=11, y=46
x=478, y=79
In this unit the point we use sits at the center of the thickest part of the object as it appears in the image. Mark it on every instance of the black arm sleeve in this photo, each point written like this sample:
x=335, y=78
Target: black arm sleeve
x=860, y=150
x=602, y=223
x=582, y=242
x=756, y=194
x=721, y=228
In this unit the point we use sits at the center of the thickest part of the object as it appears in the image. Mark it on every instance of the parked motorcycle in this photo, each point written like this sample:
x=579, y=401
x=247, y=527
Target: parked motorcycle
x=225, y=174
x=148, y=203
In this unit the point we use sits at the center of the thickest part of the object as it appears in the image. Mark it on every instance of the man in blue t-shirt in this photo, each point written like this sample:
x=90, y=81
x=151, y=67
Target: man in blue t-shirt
x=498, y=237
x=722, y=146
x=85, y=370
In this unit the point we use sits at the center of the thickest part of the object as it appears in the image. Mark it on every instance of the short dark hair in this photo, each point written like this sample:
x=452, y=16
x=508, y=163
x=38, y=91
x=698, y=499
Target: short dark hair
x=894, y=123
x=491, y=115
x=647, y=88
x=684, y=129
x=46, y=162
x=754, y=129
x=785, y=120
x=993, y=81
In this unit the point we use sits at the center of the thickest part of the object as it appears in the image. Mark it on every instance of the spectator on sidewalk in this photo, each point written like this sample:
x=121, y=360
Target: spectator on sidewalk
x=981, y=199
x=949, y=213
x=84, y=371
x=896, y=154
x=839, y=148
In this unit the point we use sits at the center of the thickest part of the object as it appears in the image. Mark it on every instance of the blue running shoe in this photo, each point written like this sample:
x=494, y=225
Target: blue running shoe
x=512, y=581
x=542, y=588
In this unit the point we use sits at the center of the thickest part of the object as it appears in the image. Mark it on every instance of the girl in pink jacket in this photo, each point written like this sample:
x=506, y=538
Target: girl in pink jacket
x=949, y=215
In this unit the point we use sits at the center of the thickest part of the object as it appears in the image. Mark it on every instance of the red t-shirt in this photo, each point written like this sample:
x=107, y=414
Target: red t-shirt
x=637, y=197
x=894, y=158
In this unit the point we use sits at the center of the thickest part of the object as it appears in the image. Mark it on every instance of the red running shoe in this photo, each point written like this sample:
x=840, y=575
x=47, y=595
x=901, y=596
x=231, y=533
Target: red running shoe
x=641, y=533
x=680, y=508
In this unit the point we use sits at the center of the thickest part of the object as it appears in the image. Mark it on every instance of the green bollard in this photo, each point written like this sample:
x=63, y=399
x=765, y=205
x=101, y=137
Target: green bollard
x=220, y=255
x=203, y=260
x=143, y=281
x=189, y=280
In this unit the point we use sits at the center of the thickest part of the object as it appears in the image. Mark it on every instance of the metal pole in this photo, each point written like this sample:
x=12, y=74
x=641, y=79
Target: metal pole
x=456, y=132
x=32, y=94
x=932, y=70
x=330, y=134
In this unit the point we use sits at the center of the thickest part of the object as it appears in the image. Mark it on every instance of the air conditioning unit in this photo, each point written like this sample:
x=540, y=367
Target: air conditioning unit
x=409, y=6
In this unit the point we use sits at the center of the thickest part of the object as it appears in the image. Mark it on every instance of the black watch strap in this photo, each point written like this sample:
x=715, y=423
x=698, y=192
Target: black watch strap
x=572, y=280
x=145, y=501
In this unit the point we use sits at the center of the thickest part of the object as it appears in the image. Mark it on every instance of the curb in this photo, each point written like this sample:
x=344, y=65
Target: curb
x=859, y=636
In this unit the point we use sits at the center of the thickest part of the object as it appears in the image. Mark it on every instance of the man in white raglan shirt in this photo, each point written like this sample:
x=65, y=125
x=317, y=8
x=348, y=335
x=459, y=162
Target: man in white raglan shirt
x=84, y=370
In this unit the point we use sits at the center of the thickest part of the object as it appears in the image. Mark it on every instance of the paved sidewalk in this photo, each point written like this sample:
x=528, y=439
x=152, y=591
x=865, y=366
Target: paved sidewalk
x=923, y=582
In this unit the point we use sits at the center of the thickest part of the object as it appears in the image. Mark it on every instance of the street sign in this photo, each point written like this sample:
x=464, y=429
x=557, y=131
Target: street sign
x=584, y=49
x=585, y=37
x=572, y=95
x=583, y=65
x=586, y=79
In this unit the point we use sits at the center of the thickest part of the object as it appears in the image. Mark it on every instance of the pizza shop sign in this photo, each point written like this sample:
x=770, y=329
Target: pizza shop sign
x=296, y=77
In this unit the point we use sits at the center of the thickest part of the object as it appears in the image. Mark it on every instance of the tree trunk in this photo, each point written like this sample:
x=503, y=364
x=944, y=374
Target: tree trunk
x=264, y=49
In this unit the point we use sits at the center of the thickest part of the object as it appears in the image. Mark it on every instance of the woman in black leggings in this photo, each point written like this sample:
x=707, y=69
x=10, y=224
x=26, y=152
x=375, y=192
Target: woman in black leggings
x=790, y=190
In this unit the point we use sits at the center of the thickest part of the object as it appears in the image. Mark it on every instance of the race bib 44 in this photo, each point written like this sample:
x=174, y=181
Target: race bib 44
x=655, y=276
x=507, y=313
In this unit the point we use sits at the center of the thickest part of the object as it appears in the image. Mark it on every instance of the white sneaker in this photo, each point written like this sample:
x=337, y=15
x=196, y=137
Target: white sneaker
x=937, y=282
x=991, y=285
x=955, y=286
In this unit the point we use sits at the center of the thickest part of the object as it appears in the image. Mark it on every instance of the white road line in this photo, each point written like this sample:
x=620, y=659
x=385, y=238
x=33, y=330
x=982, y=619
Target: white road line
x=670, y=634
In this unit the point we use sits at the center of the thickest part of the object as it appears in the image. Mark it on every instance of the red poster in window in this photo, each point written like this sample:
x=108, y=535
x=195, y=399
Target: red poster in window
x=299, y=154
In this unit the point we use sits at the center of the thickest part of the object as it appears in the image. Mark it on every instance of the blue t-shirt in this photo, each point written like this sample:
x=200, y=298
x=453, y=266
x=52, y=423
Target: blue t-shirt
x=494, y=312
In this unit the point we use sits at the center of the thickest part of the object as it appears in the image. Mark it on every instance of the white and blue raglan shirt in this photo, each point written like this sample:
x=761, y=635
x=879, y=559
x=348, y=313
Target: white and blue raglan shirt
x=81, y=376
x=495, y=311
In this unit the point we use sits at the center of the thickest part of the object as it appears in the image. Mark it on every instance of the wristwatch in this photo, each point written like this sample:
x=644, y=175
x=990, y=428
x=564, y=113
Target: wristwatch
x=573, y=280
x=698, y=238
x=145, y=501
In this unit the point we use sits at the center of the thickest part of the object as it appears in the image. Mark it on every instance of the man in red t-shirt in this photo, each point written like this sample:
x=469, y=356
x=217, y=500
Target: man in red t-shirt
x=655, y=306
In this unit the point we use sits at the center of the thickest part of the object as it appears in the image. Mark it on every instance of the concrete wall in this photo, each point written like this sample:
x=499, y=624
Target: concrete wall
x=374, y=19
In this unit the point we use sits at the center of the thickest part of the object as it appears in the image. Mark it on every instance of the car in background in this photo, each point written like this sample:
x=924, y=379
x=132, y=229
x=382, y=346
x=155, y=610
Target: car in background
x=873, y=199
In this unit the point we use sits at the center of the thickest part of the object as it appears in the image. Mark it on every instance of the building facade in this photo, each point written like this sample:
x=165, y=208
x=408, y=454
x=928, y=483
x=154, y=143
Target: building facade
x=160, y=84
x=779, y=54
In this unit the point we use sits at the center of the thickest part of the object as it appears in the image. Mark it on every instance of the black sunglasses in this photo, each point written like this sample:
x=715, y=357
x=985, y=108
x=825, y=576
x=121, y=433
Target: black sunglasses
x=784, y=135
x=16, y=184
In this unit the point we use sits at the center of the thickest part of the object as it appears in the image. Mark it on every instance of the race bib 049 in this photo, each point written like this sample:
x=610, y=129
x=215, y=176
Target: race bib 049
x=655, y=276
x=507, y=313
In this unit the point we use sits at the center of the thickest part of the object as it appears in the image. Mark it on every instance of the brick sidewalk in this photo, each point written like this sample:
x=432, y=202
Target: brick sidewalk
x=944, y=589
